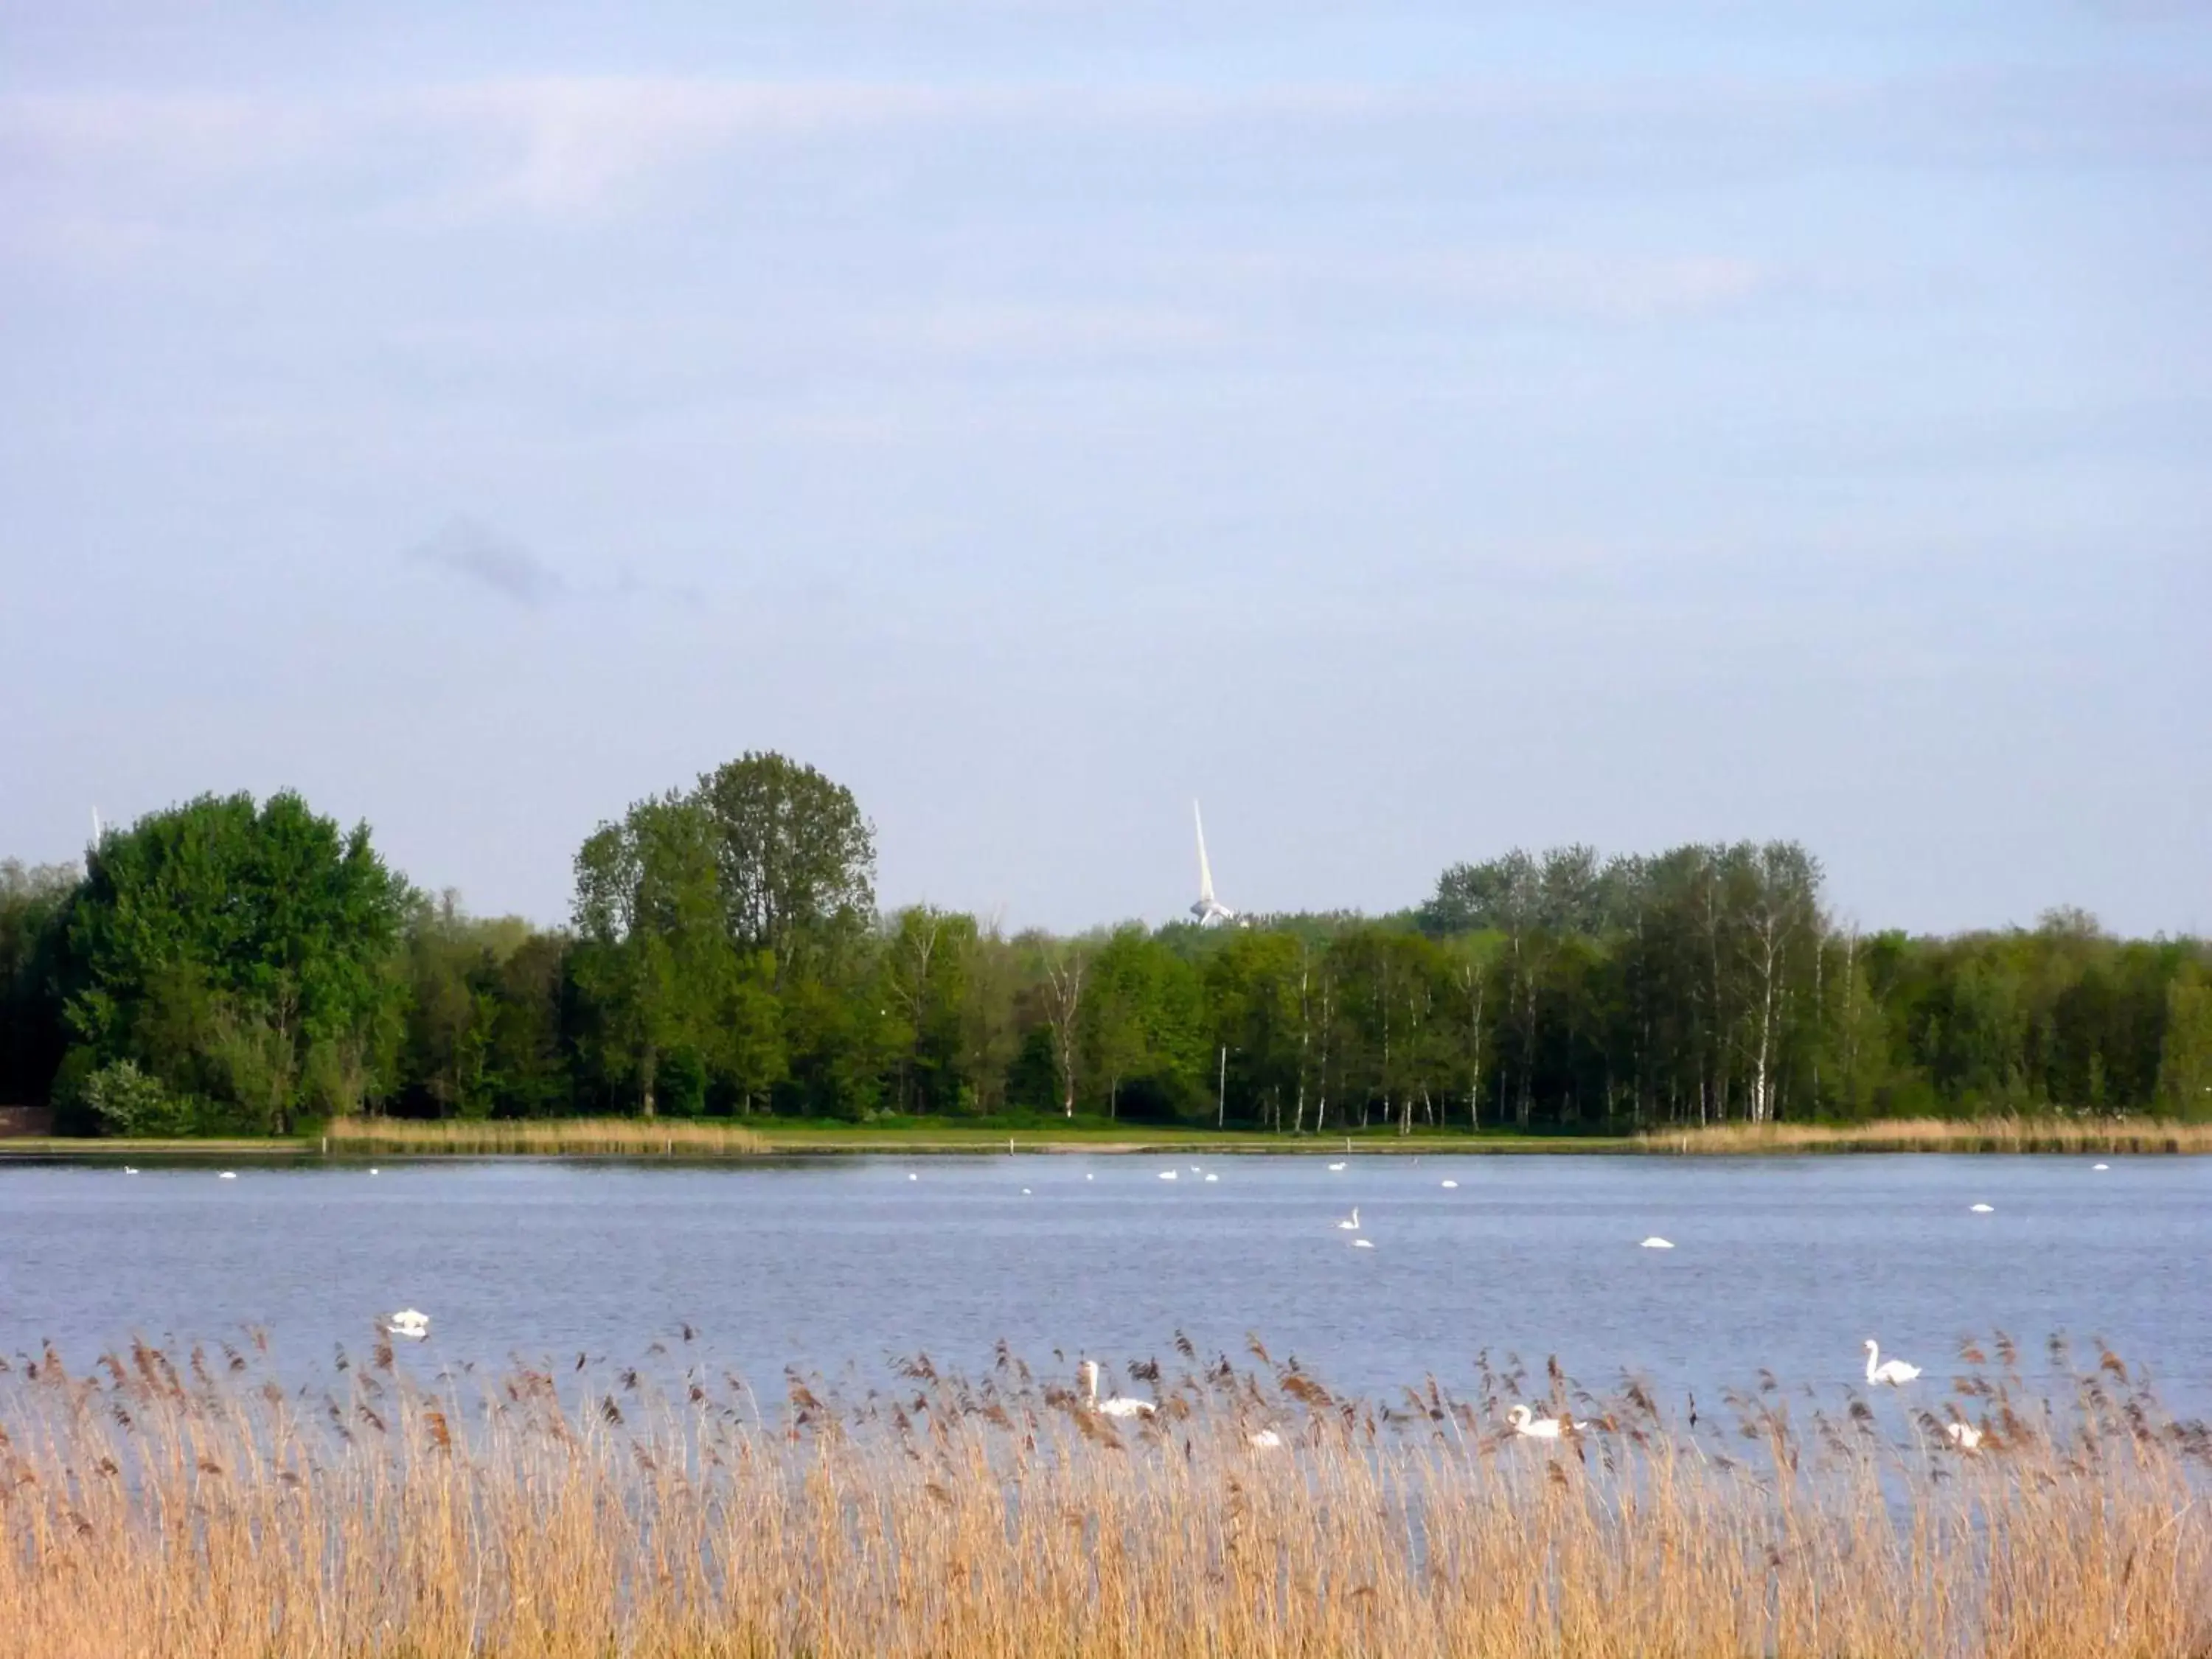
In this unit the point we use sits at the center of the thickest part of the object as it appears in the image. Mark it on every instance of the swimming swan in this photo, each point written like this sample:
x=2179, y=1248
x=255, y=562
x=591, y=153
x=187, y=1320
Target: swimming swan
x=1526, y=1422
x=1979, y=1209
x=1363, y=1244
x=1891, y=1371
x=1656, y=1242
x=1352, y=1225
x=409, y=1322
x=1263, y=1439
x=1333, y=1167
x=1965, y=1436
x=1167, y=1175
x=228, y=1175
x=1119, y=1406
x=1450, y=1185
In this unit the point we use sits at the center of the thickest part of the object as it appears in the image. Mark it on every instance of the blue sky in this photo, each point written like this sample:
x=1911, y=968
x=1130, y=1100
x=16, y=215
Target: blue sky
x=1415, y=430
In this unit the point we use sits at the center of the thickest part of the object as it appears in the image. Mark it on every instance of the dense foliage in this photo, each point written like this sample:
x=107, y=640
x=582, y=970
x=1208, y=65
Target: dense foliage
x=221, y=966
x=239, y=960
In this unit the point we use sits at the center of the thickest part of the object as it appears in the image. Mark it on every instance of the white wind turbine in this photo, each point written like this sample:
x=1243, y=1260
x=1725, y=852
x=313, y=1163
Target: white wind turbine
x=1210, y=911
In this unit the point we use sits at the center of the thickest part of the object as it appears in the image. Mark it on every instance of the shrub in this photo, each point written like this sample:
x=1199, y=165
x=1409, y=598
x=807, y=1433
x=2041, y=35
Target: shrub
x=122, y=1100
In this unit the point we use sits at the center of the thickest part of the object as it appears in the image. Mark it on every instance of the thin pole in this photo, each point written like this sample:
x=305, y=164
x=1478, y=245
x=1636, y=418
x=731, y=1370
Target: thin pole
x=1221, y=1091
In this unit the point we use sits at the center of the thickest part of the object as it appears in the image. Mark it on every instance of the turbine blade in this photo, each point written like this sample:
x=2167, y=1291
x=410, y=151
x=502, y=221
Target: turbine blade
x=1205, y=872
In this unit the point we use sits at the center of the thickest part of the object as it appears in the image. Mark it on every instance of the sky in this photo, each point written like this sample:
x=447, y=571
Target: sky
x=1414, y=430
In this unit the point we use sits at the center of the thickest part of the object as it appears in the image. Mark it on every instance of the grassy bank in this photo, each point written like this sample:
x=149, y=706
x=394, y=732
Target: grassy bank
x=247, y=1146
x=691, y=1138
x=186, y=1503
x=1146, y=1137
x=719, y=1137
x=1985, y=1135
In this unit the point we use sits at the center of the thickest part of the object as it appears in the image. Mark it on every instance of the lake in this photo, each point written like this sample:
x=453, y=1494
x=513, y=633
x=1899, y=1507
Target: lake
x=1784, y=1263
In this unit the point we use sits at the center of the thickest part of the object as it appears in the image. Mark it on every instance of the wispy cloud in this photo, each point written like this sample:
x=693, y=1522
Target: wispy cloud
x=1017, y=332
x=561, y=146
x=1615, y=289
x=480, y=555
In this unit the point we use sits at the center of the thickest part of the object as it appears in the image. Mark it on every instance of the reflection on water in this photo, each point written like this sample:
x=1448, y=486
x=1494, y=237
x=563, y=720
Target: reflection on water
x=1787, y=1264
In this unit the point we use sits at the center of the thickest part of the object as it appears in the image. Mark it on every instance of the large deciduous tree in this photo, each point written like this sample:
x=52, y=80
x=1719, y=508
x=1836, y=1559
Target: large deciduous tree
x=667, y=983
x=239, y=953
x=796, y=858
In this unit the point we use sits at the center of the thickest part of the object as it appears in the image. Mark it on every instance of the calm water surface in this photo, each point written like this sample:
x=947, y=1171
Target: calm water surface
x=1785, y=1263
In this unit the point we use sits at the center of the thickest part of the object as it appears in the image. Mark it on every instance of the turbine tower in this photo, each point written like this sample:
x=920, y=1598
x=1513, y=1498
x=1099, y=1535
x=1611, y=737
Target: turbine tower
x=1210, y=911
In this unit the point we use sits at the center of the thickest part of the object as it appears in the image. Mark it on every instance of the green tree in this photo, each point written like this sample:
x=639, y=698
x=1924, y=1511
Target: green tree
x=1059, y=971
x=659, y=972
x=239, y=952
x=34, y=914
x=2185, y=1071
x=481, y=1034
x=1252, y=987
x=797, y=861
x=990, y=1017
x=1122, y=1016
x=926, y=968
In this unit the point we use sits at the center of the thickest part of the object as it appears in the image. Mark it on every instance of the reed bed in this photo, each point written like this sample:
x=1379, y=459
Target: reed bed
x=2051, y=1133
x=604, y=1137
x=190, y=1504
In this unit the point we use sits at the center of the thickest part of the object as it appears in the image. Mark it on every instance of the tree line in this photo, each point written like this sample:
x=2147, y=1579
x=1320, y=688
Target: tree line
x=243, y=967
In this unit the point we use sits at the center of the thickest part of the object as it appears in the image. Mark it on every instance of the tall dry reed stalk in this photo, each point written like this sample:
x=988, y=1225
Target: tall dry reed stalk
x=1927, y=1135
x=185, y=1505
x=615, y=1137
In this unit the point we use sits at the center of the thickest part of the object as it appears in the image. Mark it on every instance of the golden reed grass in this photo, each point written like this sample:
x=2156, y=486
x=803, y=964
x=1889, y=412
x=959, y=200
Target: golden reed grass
x=1929, y=1134
x=186, y=1505
x=611, y=1137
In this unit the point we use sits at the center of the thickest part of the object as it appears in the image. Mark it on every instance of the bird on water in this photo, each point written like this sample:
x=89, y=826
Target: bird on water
x=1880, y=1371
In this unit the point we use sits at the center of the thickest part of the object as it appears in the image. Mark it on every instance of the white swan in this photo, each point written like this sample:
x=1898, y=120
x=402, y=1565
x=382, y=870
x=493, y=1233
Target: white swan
x=1350, y=1223
x=2100, y=1166
x=1965, y=1436
x=1213, y=1177
x=127, y=1169
x=1890, y=1371
x=1263, y=1439
x=1363, y=1244
x=1334, y=1167
x=409, y=1322
x=228, y=1175
x=1119, y=1406
x=1167, y=1175
x=1656, y=1242
x=1979, y=1209
x=1451, y=1185
x=1526, y=1422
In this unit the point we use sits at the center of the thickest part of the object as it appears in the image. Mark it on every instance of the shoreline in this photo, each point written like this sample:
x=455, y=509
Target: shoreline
x=718, y=1140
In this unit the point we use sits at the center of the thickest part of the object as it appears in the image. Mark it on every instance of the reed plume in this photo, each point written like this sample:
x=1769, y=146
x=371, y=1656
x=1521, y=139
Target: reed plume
x=195, y=1504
